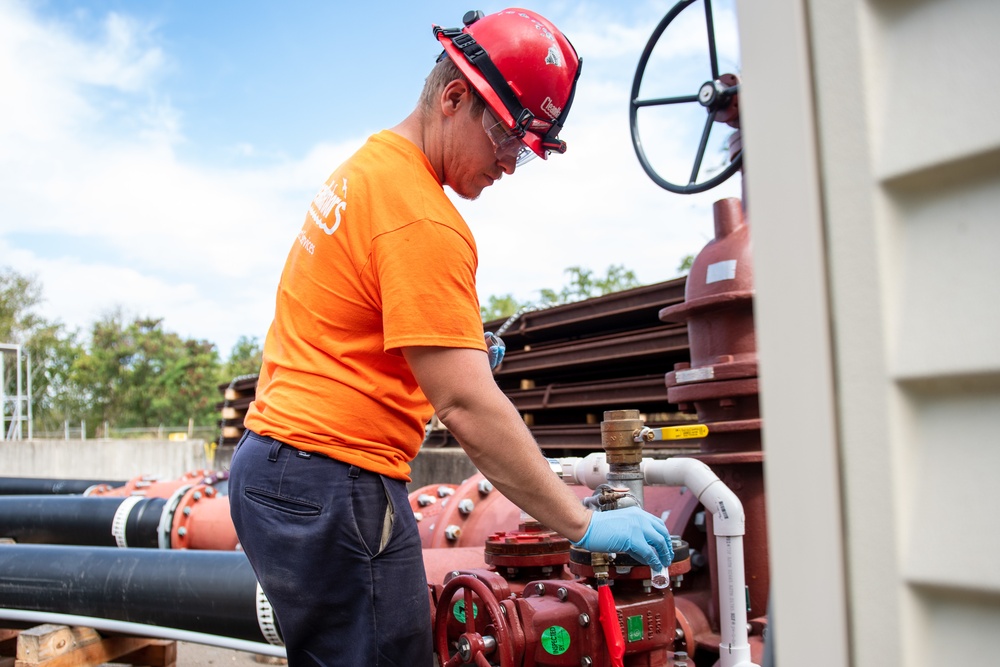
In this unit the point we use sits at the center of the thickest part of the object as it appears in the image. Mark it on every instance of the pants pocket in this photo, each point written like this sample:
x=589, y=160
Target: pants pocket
x=281, y=503
x=373, y=512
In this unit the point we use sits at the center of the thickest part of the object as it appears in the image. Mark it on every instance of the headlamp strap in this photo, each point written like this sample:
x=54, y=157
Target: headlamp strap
x=477, y=55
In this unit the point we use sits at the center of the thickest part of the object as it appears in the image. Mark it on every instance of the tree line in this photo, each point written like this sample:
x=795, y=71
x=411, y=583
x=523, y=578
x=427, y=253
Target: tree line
x=582, y=284
x=130, y=372
x=126, y=371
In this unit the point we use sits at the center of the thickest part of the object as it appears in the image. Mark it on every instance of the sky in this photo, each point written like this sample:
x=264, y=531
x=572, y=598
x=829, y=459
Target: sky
x=159, y=157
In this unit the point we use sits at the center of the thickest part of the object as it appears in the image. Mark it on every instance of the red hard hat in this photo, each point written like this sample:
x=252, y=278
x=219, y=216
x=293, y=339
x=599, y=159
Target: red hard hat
x=523, y=67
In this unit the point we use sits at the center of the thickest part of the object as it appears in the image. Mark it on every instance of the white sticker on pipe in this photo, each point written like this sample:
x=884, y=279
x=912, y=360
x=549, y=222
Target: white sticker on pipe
x=720, y=271
x=695, y=374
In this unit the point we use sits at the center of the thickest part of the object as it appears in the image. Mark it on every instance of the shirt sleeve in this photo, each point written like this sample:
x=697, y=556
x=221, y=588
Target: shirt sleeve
x=426, y=274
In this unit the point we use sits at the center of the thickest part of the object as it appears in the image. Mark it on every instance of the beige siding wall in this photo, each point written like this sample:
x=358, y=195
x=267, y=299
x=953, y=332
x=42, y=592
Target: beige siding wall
x=874, y=188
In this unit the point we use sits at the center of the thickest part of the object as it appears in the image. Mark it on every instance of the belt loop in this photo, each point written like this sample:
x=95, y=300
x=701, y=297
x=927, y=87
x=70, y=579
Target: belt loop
x=353, y=472
x=272, y=455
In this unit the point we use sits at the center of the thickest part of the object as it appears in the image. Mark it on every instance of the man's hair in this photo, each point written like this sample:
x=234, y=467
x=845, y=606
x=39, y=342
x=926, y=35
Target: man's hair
x=444, y=72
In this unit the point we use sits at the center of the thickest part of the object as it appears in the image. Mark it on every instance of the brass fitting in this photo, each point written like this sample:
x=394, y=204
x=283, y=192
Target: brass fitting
x=618, y=435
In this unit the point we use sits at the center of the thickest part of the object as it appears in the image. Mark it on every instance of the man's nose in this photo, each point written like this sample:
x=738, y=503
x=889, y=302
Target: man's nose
x=508, y=163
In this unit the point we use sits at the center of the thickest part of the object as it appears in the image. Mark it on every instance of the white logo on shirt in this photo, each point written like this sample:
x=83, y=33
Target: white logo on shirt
x=326, y=201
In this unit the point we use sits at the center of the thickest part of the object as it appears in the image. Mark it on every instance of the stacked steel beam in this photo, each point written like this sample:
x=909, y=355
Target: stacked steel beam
x=236, y=398
x=565, y=365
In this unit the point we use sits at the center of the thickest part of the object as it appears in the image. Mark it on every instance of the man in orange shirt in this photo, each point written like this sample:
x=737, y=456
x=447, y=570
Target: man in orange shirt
x=376, y=328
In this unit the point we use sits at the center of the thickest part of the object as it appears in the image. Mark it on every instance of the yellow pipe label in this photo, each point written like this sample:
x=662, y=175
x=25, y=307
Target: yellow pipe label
x=683, y=432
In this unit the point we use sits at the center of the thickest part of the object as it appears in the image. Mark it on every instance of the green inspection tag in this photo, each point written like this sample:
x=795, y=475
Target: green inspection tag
x=555, y=640
x=459, y=610
x=634, y=625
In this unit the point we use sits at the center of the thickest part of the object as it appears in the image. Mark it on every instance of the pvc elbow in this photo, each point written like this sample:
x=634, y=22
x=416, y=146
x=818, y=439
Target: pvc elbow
x=716, y=497
x=728, y=519
x=678, y=471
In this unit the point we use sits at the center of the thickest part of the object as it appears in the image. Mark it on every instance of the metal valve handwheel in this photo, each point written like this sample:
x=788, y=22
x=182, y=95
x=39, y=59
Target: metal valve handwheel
x=717, y=96
x=473, y=647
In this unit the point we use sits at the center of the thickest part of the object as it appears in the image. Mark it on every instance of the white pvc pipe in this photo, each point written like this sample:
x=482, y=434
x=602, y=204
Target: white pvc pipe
x=590, y=471
x=140, y=630
x=728, y=523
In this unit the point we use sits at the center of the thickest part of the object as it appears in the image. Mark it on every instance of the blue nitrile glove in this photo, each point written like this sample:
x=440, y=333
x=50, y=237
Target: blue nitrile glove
x=630, y=530
x=495, y=348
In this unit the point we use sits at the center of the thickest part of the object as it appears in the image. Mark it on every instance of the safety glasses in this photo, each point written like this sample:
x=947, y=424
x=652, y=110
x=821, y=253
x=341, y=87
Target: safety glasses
x=506, y=144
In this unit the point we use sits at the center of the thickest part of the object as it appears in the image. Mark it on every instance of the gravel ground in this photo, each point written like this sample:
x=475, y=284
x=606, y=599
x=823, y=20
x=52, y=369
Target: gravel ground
x=199, y=655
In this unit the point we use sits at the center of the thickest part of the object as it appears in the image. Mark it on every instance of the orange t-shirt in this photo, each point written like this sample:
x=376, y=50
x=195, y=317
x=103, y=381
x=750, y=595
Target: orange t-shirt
x=383, y=261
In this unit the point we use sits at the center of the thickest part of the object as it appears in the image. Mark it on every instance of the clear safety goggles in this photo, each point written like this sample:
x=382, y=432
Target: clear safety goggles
x=506, y=144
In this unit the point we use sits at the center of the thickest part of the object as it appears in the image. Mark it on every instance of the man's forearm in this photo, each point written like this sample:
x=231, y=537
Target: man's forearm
x=504, y=451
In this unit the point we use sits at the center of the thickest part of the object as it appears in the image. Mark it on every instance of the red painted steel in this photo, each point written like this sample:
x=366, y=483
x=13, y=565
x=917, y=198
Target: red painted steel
x=152, y=487
x=720, y=384
x=636, y=346
x=628, y=309
x=202, y=521
x=475, y=512
x=721, y=379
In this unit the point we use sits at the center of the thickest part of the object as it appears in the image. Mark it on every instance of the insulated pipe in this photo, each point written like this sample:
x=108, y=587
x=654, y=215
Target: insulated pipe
x=30, y=486
x=728, y=527
x=82, y=521
x=194, y=517
x=214, y=592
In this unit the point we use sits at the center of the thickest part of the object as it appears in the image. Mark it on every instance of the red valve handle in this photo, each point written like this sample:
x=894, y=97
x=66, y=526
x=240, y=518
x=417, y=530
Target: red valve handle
x=474, y=642
x=609, y=623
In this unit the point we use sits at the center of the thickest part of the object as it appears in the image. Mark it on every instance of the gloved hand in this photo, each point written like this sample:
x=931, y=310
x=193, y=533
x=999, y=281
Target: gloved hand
x=495, y=348
x=630, y=530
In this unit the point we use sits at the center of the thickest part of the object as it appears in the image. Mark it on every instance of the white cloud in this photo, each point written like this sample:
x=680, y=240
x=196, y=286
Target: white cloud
x=96, y=201
x=200, y=246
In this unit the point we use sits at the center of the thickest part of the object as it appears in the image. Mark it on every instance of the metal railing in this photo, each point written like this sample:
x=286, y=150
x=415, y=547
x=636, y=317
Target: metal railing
x=72, y=431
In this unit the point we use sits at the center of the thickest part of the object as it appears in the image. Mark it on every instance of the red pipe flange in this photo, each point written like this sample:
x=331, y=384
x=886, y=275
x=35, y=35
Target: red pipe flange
x=201, y=521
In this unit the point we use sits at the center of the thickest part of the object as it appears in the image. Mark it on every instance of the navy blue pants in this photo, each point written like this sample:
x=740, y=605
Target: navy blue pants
x=336, y=550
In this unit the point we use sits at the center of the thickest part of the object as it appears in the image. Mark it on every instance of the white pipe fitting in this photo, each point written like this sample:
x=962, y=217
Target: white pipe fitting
x=726, y=508
x=590, y=471
x=728, y=525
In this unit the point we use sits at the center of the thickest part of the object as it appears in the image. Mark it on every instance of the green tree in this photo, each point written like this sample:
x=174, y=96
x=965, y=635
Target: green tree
x=500, y=306
x=685, y=266
x=19, y=295
x=135, y=374
x=49, y=346
x=584, y=284
x=244, y=359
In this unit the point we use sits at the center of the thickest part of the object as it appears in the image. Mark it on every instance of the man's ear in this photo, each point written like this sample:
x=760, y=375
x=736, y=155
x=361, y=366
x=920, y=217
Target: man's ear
x=456, y=96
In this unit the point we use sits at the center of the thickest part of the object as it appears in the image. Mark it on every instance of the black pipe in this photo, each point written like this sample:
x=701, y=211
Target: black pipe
x=213, y=592
x=30, y=486
x=79, y=520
